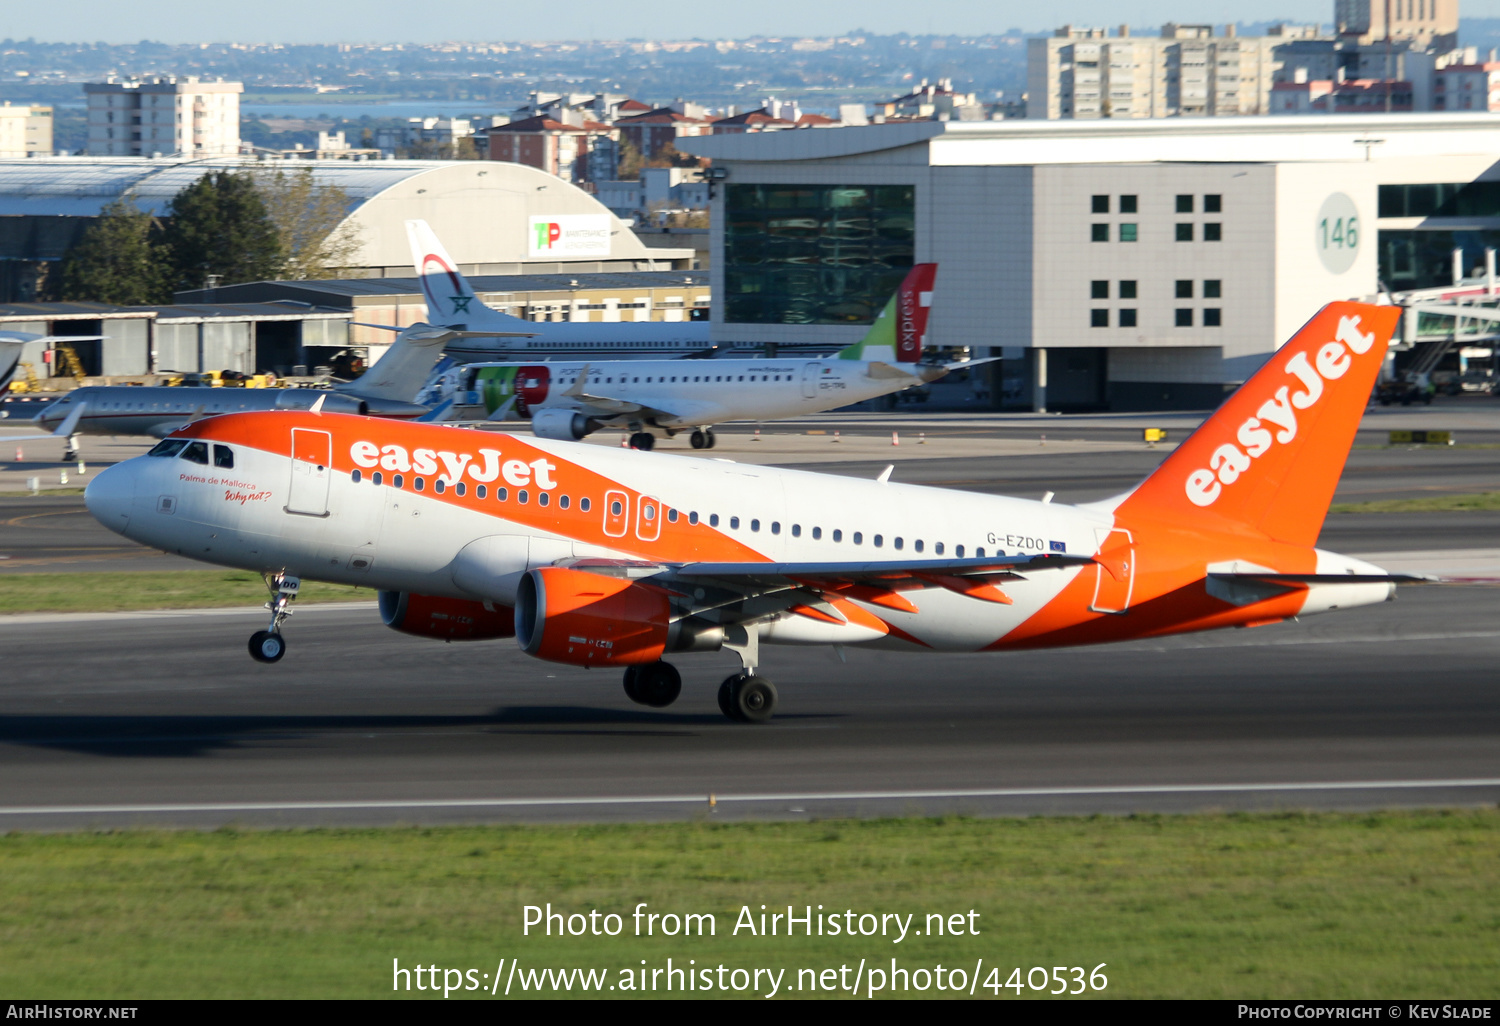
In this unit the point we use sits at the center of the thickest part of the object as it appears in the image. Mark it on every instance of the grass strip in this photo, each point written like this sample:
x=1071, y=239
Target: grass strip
x=1424, y=504
x=152, y=589
x=1387, y=905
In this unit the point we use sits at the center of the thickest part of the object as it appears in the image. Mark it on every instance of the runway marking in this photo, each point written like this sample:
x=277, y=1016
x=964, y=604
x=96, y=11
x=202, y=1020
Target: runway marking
x=721, y=799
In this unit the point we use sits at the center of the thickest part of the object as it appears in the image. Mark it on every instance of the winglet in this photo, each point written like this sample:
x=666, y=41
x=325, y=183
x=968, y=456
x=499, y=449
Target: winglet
x=317, y=406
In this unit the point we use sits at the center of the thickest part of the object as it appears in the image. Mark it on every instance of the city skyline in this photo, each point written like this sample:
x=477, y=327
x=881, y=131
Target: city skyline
x=283, y=21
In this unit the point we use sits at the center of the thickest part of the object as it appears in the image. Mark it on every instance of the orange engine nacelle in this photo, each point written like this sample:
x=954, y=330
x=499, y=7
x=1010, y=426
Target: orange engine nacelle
x=586, y=619
x=451, y=619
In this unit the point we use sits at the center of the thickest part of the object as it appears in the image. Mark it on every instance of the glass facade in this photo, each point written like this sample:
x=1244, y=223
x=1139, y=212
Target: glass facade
x=1458, y=199
x=1424, y=259
x=815, y=254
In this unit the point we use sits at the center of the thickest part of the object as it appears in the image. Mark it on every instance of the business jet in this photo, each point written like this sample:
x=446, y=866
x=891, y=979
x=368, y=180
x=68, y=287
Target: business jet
x=452, y=302
x=385, y=390
x=570, y=400
x=602, y=557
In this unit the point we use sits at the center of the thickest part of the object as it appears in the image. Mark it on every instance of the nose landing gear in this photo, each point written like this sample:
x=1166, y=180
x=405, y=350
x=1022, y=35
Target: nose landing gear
x=268, y=646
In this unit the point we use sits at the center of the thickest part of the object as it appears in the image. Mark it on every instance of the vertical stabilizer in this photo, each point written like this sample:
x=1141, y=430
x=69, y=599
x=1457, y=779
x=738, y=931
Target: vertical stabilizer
x=1270, y=458
x=404, y=369
x=451, y=302
x=898, y=333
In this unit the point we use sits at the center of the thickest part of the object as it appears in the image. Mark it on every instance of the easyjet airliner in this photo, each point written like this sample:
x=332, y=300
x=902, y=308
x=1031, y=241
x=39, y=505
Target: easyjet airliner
x=594, y=556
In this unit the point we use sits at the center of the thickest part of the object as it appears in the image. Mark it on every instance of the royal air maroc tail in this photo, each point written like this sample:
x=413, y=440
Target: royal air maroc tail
x=603, y=557
x=452, y=302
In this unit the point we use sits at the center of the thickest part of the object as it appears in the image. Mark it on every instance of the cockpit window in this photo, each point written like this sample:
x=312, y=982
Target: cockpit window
x=196, y=452
x=224, y=457
x=168, y=447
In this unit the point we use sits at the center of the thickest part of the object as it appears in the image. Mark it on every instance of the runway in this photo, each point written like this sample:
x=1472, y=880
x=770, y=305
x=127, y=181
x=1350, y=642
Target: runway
x=163, y=719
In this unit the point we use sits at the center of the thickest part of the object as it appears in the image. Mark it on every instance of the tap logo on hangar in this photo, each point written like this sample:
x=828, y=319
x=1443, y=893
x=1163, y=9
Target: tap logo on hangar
x=489, y=465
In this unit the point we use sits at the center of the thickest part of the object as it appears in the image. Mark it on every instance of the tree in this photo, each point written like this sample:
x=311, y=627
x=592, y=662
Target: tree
x=629, y=168
x=316, y=239
x=219, y=226
x=116, y=260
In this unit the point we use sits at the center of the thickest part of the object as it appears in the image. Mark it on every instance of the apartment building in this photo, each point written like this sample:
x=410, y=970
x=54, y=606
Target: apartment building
x=163, y=116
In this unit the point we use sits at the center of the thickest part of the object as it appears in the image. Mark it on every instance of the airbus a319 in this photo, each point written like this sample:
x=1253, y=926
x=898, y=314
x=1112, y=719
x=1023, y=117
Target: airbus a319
x=603, y=557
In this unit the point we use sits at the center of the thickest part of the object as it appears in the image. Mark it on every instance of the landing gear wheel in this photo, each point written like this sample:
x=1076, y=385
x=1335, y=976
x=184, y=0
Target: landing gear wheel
x=656, y=684
x=266, y=647
x=748, y=699
x=698, y=440
x=711, y=438
x=643, y=440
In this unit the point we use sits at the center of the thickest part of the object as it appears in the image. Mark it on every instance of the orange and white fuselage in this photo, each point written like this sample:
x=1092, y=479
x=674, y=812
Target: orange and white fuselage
x=1221, y=535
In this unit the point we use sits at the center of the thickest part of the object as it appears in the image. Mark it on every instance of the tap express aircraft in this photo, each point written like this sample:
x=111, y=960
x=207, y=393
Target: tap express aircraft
x=452, y=302
x=604, y=557
x=571, y=400
x=385, y=390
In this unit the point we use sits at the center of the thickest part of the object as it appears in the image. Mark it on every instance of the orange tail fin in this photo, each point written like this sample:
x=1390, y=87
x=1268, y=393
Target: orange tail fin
x=1271, y=456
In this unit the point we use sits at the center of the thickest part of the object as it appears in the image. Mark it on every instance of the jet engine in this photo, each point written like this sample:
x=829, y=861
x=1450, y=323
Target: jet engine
x=333, y=402
x=451, y=619
x=563, y=425
x=588, y=619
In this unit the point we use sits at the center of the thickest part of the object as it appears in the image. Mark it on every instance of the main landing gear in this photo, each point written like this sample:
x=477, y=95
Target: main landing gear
x=70, y=449
x=643, y=440
x=743, y=697
x=268, y=646
x=702, y=438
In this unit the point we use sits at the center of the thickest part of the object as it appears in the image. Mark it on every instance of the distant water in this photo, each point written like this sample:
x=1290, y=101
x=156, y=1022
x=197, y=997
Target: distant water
x=402, y=109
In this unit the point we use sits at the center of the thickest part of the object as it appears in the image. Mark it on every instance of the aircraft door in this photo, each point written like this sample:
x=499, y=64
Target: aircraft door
x=616, y=514
x=810, y=372
x=1114, y=571
x=648, y=519
x=312, y=459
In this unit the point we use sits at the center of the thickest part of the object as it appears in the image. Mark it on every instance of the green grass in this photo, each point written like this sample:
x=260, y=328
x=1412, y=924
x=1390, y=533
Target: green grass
x=1425, y=504
x=1275, y=906
x=166, y=589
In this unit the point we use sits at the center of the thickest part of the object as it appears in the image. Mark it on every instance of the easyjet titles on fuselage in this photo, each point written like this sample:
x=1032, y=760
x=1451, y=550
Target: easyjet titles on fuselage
x=488, y=467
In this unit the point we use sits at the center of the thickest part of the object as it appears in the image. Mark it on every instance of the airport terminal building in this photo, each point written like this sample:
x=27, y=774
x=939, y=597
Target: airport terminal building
x=1114, y=265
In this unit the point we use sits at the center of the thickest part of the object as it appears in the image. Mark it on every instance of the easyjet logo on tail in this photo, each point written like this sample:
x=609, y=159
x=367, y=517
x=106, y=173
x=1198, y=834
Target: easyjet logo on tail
x=1275, y=422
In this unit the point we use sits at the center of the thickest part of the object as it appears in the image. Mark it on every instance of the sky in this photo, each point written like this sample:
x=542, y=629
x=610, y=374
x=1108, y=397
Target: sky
x=327, y=21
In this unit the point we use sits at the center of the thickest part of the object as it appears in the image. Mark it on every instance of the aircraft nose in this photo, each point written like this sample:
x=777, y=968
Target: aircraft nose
x=109, y=495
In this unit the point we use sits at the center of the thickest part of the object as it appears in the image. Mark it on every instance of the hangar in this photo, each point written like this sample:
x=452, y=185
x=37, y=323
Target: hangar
x=493, y=217
x=1114, y=265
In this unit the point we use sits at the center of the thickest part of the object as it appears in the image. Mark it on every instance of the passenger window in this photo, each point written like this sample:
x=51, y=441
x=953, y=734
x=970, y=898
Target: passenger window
x=437, y=486
x=671, y=516
x=796, y=529
x=937, y=547
x=501, y=494
x=713, y=519
x=979, y=553
x=817, y=533
x=838, y=535
x=583, y=505
x=398, y=480
x=879, y=541
x=196, y=452
x=460, y=488
x=355, y=477
x=542, y=498
x=167, y=447
x=522, y=497
x=734, y=523
x=615, y=509
x=859, y=538
x=917, y=544
x=755, y=525
x=776, y=527
x=898, y=543
x=958, y=550
x=480, y=492
x=563, y=502
x=376, y=478
x=693, y=519
x=418, y=483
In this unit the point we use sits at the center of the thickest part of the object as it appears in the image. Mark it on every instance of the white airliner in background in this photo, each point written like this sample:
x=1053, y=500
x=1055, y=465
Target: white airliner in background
x=385, y=390
x=569, y=400
x=452, y=303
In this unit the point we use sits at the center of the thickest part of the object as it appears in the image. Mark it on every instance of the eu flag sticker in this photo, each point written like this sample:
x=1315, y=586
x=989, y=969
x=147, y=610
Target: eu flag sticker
x=1057, y=546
